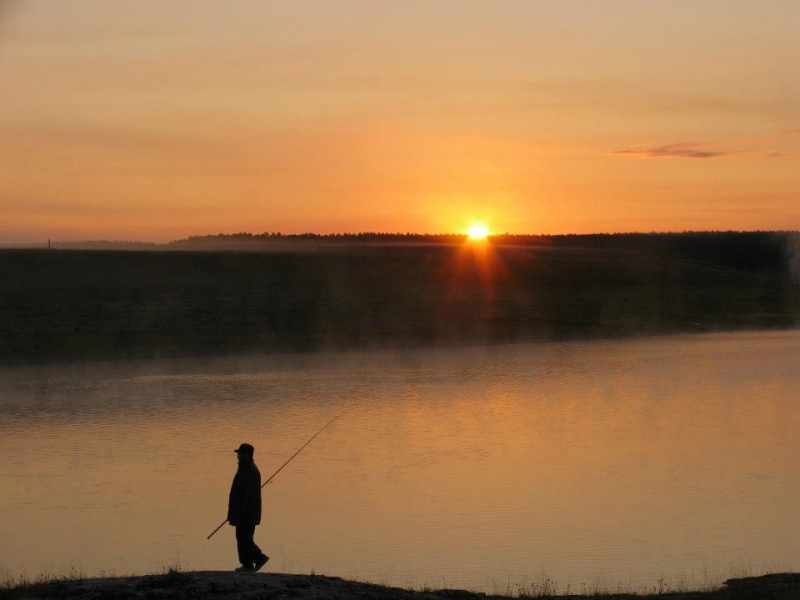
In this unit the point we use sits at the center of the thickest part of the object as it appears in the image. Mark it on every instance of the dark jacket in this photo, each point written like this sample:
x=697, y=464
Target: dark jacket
x=244, y=502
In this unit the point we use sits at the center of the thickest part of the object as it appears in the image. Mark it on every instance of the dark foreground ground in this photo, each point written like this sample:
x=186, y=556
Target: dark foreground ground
x=210, y=585
x=76, y=305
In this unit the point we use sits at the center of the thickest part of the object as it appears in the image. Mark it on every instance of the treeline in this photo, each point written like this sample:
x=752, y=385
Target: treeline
x=367, y=237
x=774, y=253
x=768, y=252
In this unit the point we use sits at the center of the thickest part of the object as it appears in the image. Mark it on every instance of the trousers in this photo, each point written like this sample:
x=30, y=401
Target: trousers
x=249, y=553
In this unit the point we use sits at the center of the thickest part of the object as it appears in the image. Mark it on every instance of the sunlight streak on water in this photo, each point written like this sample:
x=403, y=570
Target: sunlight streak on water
x=475, y=467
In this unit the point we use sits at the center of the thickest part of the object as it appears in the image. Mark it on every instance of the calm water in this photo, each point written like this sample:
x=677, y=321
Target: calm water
x=610, y=464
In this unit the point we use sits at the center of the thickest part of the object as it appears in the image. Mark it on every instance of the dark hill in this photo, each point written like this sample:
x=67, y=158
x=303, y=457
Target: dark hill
x=76, y=305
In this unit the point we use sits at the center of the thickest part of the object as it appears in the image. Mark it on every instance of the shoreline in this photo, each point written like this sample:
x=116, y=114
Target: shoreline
x=228, y=585
x=290, y=358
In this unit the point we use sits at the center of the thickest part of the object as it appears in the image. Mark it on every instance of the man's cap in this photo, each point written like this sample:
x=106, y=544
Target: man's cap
x=245, y=449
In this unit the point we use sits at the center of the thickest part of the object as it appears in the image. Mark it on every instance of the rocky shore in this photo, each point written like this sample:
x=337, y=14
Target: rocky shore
x=216, y=585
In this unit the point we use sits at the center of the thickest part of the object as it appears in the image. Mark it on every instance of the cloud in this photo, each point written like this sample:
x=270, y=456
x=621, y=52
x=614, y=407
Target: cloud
x=680, y=150
x=775, y=145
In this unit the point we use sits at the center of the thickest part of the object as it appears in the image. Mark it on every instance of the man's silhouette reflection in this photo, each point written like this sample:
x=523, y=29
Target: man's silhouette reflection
x=244, y=509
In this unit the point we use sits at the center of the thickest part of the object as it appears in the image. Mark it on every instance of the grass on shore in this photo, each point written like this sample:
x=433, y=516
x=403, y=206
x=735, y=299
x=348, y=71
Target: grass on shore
x=173, y=582
x=24, y=586
x=174, y=576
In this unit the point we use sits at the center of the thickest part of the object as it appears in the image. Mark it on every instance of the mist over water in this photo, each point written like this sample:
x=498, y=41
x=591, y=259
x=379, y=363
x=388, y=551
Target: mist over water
x=614, y=463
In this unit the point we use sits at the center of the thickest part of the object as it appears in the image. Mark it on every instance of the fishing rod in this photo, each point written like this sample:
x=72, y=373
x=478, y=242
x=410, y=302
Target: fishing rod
x=271, y=477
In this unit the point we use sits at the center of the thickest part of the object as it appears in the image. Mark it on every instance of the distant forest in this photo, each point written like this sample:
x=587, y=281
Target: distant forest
x=774, y=252
x=231, y=294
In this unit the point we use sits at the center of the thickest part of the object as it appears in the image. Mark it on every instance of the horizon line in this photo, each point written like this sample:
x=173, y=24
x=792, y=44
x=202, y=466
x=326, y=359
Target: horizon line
x=267, y=236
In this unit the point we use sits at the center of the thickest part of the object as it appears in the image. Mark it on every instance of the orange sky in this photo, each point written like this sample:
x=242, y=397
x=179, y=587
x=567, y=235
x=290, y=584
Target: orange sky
x=154, y=121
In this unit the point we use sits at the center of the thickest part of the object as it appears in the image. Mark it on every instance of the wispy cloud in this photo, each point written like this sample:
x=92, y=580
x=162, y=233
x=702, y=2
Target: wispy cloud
x=679, y=150
x=778, y=144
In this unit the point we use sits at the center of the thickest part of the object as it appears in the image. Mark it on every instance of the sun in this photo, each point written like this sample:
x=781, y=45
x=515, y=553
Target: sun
x=478, y=232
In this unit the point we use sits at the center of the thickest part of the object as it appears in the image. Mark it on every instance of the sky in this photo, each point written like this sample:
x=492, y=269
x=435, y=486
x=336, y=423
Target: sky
x=154, y=121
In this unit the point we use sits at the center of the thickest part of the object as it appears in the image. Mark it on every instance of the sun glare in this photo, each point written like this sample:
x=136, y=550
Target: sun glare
x=478, y=232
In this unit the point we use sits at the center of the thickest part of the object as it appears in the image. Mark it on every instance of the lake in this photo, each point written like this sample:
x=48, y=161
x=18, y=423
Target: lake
x=592, y=465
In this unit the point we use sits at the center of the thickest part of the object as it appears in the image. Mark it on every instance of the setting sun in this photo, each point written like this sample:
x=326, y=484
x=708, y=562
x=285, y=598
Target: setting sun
x=478, y=232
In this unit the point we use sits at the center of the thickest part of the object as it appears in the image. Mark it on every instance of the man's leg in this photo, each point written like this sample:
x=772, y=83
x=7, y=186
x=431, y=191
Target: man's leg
x=259, y=558
x=245, y=544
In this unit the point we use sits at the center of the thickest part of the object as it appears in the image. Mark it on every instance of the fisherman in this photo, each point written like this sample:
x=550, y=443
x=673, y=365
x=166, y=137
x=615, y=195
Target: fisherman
x=244, y=509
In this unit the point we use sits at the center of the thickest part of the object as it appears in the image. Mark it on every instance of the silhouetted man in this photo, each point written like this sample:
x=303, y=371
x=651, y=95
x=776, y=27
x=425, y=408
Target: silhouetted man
x=244, y=509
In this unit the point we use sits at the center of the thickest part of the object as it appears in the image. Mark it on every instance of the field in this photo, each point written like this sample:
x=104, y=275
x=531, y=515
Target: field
x=72, y=305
